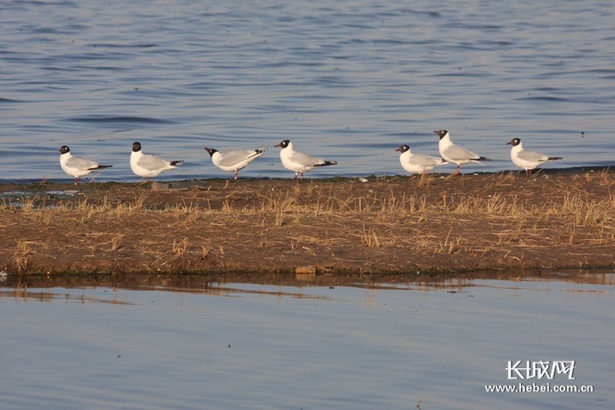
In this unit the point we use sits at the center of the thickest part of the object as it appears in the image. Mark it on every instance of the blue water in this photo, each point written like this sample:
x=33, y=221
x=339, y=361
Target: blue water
x=348, y=80
x=246, y=346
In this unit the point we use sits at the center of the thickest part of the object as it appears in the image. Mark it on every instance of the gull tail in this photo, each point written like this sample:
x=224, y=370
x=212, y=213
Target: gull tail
x=99, y=167
x=175, y=163
x=260, y=150
x=555, y=158
x=326, y=163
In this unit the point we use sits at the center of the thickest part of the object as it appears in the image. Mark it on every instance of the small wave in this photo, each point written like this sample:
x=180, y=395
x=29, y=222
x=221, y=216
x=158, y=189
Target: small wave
x=123, y=45
x=543, y=98
x=121, y=120
x=9, y=100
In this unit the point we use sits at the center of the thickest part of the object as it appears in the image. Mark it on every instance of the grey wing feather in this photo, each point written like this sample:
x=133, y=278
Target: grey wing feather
x=231, y=158
x=81, y=163
x=533, y=156
x=305, y=159
x=459, y=153
x=424, y=160
x=152, y=162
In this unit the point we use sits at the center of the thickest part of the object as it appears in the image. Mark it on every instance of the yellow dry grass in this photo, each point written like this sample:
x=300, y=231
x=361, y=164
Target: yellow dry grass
x=381, y=224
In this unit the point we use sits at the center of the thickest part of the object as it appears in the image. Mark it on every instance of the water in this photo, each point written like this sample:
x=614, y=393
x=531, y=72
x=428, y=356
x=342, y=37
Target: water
x=389, y=346
x=349, y=80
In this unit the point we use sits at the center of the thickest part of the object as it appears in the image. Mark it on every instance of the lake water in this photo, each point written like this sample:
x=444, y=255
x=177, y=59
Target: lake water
x=292, y=346
x=348, y=80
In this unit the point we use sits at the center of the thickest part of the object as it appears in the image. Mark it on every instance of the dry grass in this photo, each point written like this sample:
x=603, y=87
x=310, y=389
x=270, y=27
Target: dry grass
x=116, y=241
x=424, y=217
x=21, y=255
x=370, y=237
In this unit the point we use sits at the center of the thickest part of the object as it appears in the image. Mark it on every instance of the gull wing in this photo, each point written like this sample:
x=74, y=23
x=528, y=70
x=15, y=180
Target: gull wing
x=460, y=153
x=305, y=160
x=532, y=156
x=231, y=158
x=152, y=162
x=81, y=163
x=425, y=160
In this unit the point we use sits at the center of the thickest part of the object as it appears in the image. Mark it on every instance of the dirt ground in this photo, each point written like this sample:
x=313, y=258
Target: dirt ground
x=387, y=226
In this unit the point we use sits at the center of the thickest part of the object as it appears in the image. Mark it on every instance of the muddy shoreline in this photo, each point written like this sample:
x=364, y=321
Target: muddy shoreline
x=389, y=227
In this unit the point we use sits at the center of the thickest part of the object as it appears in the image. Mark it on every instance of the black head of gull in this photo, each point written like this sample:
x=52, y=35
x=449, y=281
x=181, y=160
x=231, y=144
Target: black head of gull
x=283, y=144
x=514, y=142
x=403, y=148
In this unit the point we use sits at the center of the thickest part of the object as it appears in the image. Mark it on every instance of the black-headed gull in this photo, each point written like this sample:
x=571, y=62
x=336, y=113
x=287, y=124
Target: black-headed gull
x=77, y=167
x=234, y=161
x=456, y=154
x=148, y=166
x=299, y=162
x=417, y=163
x=525, y=158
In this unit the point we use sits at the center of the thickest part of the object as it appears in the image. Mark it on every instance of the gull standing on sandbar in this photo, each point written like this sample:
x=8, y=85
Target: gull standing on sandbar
x=77, y=167
x=299, y=162
x=525, y=158
x=234, y=161
x=148, y=166
x=456, y=154
x=417, y=163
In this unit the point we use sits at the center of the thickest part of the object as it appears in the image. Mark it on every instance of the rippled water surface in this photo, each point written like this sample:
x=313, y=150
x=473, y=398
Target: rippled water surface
x=255, y=346
x=348, y=80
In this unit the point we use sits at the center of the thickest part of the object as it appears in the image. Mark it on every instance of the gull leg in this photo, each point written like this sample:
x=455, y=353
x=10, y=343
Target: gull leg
x=95, y=175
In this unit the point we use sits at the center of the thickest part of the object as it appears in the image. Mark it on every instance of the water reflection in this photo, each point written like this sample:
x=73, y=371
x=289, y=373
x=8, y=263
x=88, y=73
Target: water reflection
x=277, y=341
x=291, y=285
x=24, y=295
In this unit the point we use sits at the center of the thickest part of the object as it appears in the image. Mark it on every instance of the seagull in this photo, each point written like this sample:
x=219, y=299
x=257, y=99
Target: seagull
x=234, y=161
x=77, y=167
x=525, y=158
x=456, y=154
x=419, y=163
x=299, y=162
x=148, y=166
